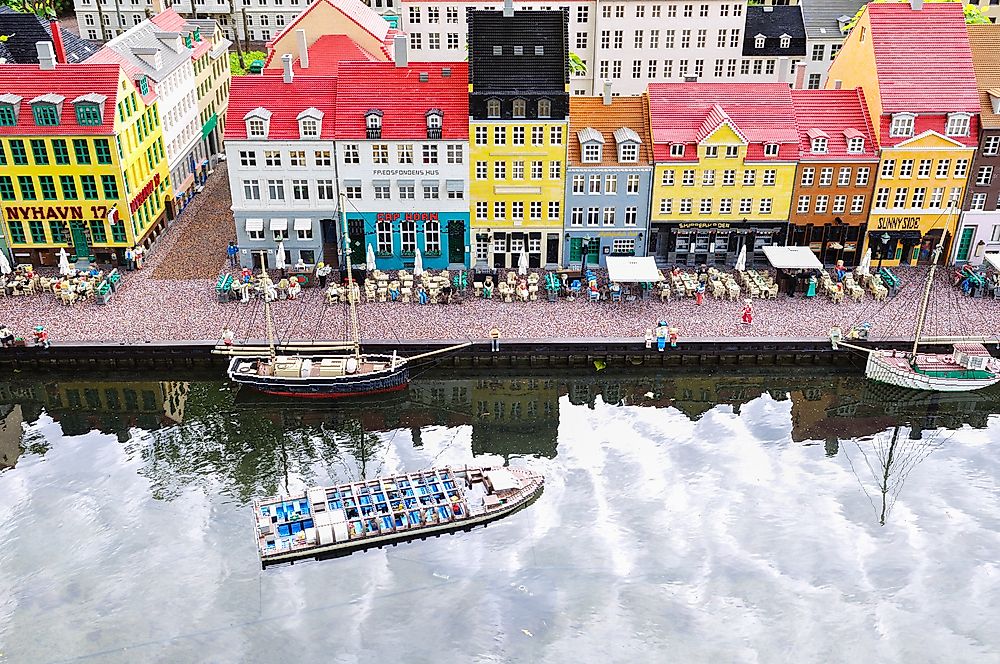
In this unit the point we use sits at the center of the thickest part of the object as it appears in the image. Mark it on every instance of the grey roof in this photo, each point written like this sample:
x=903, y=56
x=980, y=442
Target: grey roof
x=589, y=134
x=626, y=134
x=820, y=16
x=24, y=30
x=147, y=35
x=773, y=22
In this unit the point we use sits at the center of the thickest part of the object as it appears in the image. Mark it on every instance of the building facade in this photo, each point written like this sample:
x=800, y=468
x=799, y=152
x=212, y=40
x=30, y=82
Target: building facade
x=838, y=156
x=826, y=27
x=927, y=124
x=725, y=158
x=82, y=160
x=403, y=162
x=518, y=122
x=979, y=230
x=608, y=179
x=282, y=169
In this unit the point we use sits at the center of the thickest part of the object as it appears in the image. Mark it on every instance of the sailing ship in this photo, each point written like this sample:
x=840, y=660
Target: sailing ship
x=318, y=370
x=337, y=520
x=969, y=365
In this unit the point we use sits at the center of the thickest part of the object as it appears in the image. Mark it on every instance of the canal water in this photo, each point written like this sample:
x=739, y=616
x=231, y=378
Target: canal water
x=685, y=518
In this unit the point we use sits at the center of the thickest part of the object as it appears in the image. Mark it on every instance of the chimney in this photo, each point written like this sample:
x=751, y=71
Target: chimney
x=607, y=93
x=916, y=5
x=57, y=41
x=300, y=36
x=800, y=76
x=399, y=51
x=286, y=63
x=508, y=8
x=46, y=56
x=837, y=85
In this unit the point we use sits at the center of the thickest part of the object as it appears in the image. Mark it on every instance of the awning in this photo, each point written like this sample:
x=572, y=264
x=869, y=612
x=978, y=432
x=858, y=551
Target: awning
x=455, y=185
x=278, y=225
x=302, y=224
x=255, y=225
x=633, y=269
x=993, y=259
x=792, y=258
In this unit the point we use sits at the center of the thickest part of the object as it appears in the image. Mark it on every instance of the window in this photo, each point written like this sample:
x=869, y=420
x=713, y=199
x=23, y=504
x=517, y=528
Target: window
x=517, y=136
x=493, y=108
x=499, y=170
x=902, y=125
x=708, y=178
x=27, y=187
x=826, y=176
x=60, y=152
x=430, y=154
x=582, y=14
x=46, y=115
x=749, y=177
x=758, y=41
x=555, y=136
x=705, y=206
x=256, y=128
x=765, y=205
x=351, y=154
x=888, y=168
x=937, y=196
x=380, y=153
x=276, y=190
x=991, y=145
x=576, y=217
x=686, y=206
x=408, y=237
x=6, y=188
x=248, y=158
x=632, y=184
x=821, y=204
x=300, y=190
x=431, y=191
x=537, y=135
x=961, y=167
x=676, y=149
x=594, y=184
x=481, y=170
x=517, y=170
x=592, y=152
x=839, y=204
x=881, y=198
x=517, y=209
x=770, y=149
x=519, y=106
x=48, y=186
x=899, y=200
x=770, y=177
x=555, y=208
x=666, y=206
x=978, y=201
x=68, y=186
x=499, y=135
x=404, y=153
x=8, y=117
x=110, y=187
x=309, y=128
x=453, y=43
x=687, y=177
x=803, y=205
x=819, y=145
x=711, y=151
x=844, y=177
x=325, y=190
x=82, y=151
x=38, y=152
x=407, y=191
x=984, y=176
x=667, y=179
x=919, y=193
x=482, y=208
x=272, y=158
x=352, y=191
x=482, y=134
x=623, y=246
x=746, y=205
x=856, y=145
x=785, y=41
x=943, y=167
x=726, y=206
x=861, y=180
x=611, y=184
x=251, y=190
x=578, y=184
x=732, y=151
x=416, y=40
x=536, y=170
x=958, y=124
x=729, y=177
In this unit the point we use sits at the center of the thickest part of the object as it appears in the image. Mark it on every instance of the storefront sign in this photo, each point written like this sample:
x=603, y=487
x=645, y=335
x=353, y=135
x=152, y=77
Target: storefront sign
x=67, y=212
x=897, y=223
x=704, y=224
x=406, y=216
x=403, y=172
x=137, y=202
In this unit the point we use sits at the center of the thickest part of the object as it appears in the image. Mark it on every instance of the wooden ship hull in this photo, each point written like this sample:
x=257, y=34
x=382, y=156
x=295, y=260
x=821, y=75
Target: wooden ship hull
x=334, y=521
x=321, y=376
x=896, y=369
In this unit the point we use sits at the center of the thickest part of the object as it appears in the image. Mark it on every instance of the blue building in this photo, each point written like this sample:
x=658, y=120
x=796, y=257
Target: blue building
x=608, y=179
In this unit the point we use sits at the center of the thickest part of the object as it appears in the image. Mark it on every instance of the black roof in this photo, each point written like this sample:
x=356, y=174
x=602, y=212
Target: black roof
x=528, y=71
x=773, y=21
x=24, y=30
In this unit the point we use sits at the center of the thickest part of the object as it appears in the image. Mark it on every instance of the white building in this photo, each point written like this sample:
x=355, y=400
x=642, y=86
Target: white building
x=166, y=59
x=825, y=22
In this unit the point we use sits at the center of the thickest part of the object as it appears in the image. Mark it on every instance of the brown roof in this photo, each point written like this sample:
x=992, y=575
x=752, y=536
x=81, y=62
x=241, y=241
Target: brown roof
x=591, y=112
x=985, y=43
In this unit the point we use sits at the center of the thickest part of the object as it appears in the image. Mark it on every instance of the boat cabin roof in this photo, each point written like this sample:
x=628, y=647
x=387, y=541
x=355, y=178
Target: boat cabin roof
x=971, y=348
x=502, y=479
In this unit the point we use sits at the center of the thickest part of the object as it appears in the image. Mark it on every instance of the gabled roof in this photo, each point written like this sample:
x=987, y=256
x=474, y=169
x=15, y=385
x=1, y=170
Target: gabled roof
x=820, y=17
x=836, y=115
x=403, y=99
x=355, y=12
x=66, y=81
x=146, y=35
x=170, y=21
x=715, y=118
x=624, y=113
x=132, y=71
x=774, y=22
x=285, y=101
x=984, y=41
x=922, y=58
x=762, y=112
x=24, y=30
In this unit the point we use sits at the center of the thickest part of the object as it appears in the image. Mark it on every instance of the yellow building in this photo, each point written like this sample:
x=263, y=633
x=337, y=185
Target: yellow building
x=725, y=158
x=83, y=164
x=519, y=120
x=927, y=124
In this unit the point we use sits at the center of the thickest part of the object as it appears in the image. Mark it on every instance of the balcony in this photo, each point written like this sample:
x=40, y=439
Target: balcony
x=375, y=132
x=434, y=133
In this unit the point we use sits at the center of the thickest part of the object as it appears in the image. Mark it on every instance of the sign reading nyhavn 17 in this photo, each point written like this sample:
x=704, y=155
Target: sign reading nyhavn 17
x=897, y=223
x=66, y=212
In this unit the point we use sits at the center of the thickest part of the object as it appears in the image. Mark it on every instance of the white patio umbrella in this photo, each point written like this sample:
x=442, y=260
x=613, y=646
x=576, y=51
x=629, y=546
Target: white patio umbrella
x=63, y=261
x=279, y=257
x=522, y=263
x=741, y=260
x=370, y=258
x=865, y=266
x=4, y=263
x=418, y=264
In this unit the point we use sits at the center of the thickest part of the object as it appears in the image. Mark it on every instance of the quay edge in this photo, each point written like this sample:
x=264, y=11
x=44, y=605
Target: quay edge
x=553, y=353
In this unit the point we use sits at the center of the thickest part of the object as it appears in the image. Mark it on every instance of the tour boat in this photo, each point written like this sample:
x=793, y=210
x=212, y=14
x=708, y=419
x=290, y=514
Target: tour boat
x=340, y=519
x=969, y=365
x=317, y=370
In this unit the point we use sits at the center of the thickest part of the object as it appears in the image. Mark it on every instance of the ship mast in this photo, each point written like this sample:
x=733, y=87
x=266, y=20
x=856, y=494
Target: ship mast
x=269, y=321
x=355, y=337
x=922, y=316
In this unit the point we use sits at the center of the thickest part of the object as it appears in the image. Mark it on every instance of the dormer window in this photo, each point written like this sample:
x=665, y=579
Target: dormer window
x=518, y=50
x=544, y=108
x=10, y=106
x=592, y=153
x=310, y=123
x=88, y=115
x=770, y=149
x=591, y=144
x=46, y=110
x=197, y=34
x=258, y=122
x=676, y=149
x=758, y=41
x=628, y=144
x=819, y=145
x=786, y=41
x=435, y=120
x=902, y=125
x=628, y=152
x=373, y=123
x=519, y=108
x=498, y=50
x=856, y=145
x=958, y=124
x=493, y=108
x=539, y=50
x=143, y=85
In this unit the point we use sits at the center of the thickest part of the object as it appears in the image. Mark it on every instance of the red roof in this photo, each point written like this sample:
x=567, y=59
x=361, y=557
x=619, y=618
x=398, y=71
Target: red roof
x=838, y=114
x=923, y=58
x=170, y=21
x=110, y=56
x=325, y=56
x=284, y=100
x=355, y=11
x=68, y=81
x=688, y=112
x=403, y=99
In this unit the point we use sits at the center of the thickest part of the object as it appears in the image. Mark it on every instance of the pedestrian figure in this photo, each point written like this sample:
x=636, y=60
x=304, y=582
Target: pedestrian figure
x=140, y=256
x=322, y=272
x=495, y=337
x=673, y=332
x=699, y=293
x=129, y=259
x=661, y=336
x=747, y=312
x=232, y=251
x=649, y=338
x=6, y=336
x=227, y=336
x=41, y=336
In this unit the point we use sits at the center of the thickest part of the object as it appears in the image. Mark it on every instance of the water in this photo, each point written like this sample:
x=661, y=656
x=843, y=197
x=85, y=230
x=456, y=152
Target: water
x=779, y=518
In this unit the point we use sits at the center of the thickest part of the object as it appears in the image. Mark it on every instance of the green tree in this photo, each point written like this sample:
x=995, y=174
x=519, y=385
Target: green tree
x=577, y=66
x=239, y=62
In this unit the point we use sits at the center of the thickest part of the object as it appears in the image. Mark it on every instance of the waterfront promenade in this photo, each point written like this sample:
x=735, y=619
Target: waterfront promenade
x=173, y=298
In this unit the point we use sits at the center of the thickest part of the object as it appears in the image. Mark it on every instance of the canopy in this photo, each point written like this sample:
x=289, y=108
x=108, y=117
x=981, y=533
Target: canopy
x=633, y=269
x=993, y=259
x=792, y=258
x=302, y=224
x=279, y=224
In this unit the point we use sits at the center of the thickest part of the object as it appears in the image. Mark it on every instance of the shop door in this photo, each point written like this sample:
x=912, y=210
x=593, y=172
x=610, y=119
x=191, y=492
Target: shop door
x=456, y=242
x=328, y=227
x=356, y=232
x=965, y=244
x=552, y=249
x=80, y=246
